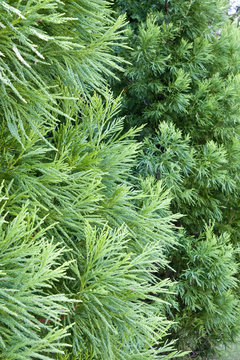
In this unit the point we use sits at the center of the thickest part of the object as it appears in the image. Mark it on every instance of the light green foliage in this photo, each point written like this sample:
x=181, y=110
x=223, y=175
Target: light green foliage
x=30, y=310
x=88, y=178
x=83, y=242
x=48, y=50
x=117, y=316
x=87, y=175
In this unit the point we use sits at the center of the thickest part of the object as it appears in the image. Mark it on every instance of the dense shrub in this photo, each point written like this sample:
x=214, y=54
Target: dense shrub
x=183, y=84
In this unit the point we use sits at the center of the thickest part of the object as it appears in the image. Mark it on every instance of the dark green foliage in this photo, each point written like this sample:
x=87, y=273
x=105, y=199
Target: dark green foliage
x=208, y=308
x=190, y=18
x=200, y=177
x=183, y=84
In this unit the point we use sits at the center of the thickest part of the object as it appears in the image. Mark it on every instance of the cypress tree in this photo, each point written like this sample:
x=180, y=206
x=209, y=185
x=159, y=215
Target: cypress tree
x=183, y=84
x=80, y=244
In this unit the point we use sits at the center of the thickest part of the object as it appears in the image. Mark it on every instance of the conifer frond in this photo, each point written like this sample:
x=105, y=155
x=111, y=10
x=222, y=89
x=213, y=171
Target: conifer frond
x=206, y=286
x=30, y=314
x=117, y=317
x=36, y=59
x=89, y=178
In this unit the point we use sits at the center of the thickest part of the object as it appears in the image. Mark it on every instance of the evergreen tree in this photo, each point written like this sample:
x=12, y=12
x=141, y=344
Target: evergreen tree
x=80, y=244
x=183, y=84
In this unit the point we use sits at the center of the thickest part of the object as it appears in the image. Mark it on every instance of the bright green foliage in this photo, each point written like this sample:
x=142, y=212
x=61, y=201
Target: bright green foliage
x=87, y=175
x=30, y=311
x=184, y=85
x=81, y=245
x=50, y=50
x=112, y=274
x=114, y=320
